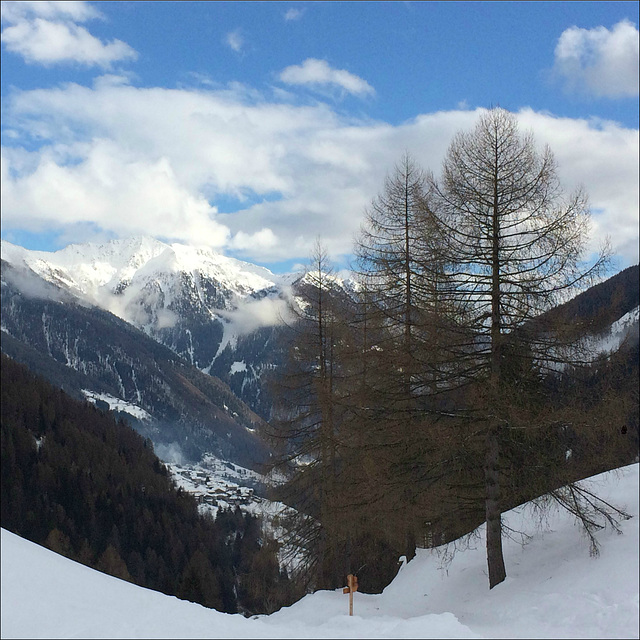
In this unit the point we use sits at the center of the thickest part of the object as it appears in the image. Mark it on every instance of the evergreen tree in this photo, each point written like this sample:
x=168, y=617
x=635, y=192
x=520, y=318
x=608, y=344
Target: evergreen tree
x=89, y=487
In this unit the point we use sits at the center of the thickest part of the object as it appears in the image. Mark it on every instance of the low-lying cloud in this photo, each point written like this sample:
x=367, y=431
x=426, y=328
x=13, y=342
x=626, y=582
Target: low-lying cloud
x=250, y=314
x=31, y=285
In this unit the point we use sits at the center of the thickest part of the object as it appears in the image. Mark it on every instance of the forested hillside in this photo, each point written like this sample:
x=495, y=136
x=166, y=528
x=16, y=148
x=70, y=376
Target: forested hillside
x=89, y=487
x=601, y=305
x=80, y=347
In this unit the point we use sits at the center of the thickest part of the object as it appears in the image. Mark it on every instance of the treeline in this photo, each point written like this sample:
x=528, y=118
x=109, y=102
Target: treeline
x=427, y=401
x=90, y=488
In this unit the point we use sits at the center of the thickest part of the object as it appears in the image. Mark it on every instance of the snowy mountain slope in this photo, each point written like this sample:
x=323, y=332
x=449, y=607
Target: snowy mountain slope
x=194, y=301
x=118, y=405
x=118, y=264
x=623, y=330
x=91, y=353
x=147, y=282
x=554, y=590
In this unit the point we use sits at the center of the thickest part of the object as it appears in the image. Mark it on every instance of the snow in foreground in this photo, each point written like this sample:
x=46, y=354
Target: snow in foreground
x=554, y=590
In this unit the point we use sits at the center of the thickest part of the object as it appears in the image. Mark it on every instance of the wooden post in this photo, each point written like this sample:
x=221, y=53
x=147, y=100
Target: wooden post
x=352, y=582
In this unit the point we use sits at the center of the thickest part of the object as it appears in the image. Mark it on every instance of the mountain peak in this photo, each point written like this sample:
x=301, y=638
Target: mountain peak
x=92, y=266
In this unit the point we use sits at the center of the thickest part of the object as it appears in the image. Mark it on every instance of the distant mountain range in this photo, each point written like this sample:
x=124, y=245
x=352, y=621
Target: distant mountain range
x=51, y=320
x=179, y=338
x=215, y=312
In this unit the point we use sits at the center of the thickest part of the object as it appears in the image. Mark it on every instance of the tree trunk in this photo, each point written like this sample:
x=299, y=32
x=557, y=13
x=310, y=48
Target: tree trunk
x=410, y=545
x=495, y=559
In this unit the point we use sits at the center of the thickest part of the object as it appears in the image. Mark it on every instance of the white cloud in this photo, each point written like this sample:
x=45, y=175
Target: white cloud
x=47, y=33
x=600, y=61
x=293, y=14
x=235, y=40
x=45, y=42
x=158, y=161
x=125, y=195
x=602, y=157
x=251, y=314
x=76, y=11
x=316, y=72
x=262, y=240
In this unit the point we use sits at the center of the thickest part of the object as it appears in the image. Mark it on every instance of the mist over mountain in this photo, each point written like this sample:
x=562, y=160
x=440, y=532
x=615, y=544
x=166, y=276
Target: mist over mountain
x=215, y=312
x=91, y=353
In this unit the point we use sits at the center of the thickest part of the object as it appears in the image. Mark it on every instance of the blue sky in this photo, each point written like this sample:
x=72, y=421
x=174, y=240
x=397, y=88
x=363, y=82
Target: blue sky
x=256, y=127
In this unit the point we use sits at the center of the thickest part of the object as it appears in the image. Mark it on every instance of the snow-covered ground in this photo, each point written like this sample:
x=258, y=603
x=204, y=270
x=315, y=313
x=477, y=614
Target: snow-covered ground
x=117, y=404
x=554, y=589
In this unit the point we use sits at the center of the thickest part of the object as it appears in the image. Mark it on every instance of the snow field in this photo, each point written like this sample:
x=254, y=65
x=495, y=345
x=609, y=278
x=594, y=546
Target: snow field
x=554, y=589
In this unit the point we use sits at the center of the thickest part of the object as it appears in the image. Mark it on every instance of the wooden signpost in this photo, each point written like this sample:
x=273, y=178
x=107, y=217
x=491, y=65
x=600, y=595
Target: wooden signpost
x=352, y=581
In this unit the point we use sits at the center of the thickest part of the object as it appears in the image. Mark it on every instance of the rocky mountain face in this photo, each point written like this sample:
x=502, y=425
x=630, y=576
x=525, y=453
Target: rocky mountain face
x=91, y=353
x=219, y=314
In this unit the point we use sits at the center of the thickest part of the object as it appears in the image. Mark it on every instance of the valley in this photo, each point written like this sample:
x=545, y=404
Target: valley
x=179, y=344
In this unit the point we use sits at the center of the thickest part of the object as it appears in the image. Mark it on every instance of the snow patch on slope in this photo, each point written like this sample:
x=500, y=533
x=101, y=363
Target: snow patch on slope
x=617, y=333
x=117, y=404
x=237, y=367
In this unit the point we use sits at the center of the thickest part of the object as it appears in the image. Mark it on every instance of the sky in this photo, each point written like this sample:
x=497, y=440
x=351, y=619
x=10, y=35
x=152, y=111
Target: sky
x=258, y=128
x=553, y=589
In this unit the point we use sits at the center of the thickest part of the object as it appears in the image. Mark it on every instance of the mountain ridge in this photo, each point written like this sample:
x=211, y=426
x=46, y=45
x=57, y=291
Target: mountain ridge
x=186, y=299
x=193, y=300
x=84, y=347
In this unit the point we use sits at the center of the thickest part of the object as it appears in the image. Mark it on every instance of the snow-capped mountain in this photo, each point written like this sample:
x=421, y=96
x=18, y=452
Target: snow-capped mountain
x=214, y=311
x=96, y=356
x=66, y=314
x=222, y=315
x=93, y=269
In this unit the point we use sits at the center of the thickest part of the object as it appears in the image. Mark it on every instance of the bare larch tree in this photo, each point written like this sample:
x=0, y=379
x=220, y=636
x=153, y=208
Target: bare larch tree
x=515, y=246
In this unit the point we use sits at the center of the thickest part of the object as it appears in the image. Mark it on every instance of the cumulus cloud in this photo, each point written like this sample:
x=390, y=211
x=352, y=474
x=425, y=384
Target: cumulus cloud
x=45, y=42
x=47, y=33
x=263, y=240
x=158, y=161
x=235, y=40
x=602, y=157
x=112, y=190
x=313, y=72
x=599, y=61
